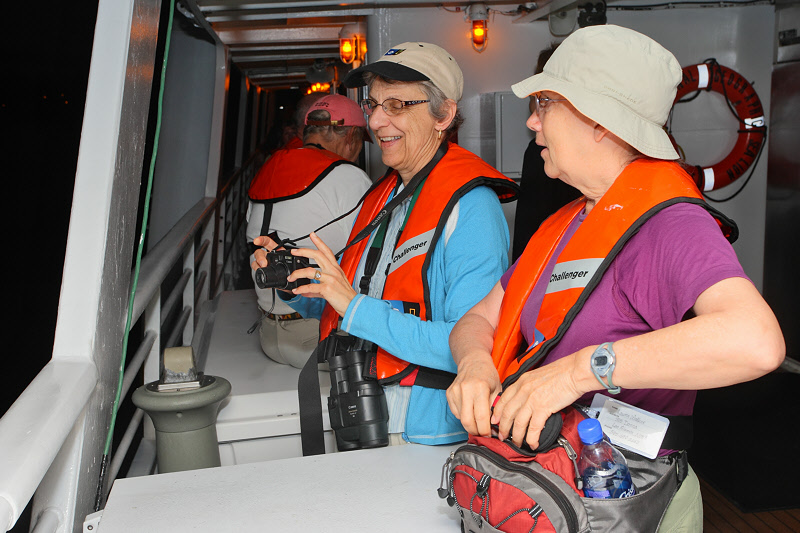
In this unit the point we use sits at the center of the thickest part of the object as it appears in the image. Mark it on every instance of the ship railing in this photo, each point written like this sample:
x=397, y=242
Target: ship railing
x=205, y=241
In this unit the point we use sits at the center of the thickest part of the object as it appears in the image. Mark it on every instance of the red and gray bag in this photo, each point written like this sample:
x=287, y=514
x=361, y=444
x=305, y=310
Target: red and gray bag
x=497, y=486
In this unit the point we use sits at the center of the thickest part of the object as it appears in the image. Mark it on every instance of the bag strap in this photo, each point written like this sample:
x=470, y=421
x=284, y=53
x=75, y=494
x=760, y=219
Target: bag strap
x=264, y=226
x=311, y=430
x=683, y=466
x=680, y=433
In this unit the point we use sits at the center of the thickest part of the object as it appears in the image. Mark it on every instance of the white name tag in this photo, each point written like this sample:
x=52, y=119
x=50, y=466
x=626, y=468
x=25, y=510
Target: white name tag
x=631, y=428
x=572, y=274
x=410, y=249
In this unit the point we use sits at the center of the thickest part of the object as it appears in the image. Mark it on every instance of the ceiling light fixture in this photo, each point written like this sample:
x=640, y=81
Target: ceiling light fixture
x=479, y=16
x=319, y=88
x=352, y=44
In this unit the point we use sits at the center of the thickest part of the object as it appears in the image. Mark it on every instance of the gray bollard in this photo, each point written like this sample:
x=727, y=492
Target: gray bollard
x=184, y=415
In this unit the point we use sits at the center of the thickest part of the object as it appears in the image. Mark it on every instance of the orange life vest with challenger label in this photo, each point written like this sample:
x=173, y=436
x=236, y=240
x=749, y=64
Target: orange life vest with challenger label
x=458, y=172
x=292, y=173
x=644, y=188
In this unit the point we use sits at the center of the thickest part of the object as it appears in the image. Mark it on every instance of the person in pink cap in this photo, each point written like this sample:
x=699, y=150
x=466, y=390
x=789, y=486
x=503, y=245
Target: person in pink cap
x=295, y=192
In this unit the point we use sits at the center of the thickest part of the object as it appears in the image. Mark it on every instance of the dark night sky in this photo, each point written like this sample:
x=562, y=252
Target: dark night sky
x=47, y=52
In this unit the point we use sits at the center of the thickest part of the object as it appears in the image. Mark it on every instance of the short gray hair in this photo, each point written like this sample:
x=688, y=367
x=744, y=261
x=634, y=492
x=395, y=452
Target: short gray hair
x=327, y=131
x=436, y=106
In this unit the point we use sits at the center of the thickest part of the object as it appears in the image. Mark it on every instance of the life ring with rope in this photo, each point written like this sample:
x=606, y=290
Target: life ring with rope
x=745, y=105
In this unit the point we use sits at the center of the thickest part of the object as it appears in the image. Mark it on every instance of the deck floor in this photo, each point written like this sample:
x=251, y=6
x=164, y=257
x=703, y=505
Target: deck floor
x=722, y=516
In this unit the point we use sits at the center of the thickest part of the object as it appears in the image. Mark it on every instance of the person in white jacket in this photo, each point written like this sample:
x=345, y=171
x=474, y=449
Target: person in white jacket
x=300, y=190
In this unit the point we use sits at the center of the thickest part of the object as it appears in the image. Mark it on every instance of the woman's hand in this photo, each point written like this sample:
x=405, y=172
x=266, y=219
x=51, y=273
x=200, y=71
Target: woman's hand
x=471, y=395
x=524, y=406
x=477, y=384
x=260, y=260
x=332, y=285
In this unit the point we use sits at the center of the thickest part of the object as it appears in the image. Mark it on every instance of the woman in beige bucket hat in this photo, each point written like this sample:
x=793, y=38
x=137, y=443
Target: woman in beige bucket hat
x=600, y=294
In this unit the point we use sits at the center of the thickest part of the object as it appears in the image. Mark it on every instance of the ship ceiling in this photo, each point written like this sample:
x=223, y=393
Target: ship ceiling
x=266, y=38
x=276, y=43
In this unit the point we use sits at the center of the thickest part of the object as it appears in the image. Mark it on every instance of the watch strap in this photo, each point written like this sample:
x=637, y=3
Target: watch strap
x=610, y=387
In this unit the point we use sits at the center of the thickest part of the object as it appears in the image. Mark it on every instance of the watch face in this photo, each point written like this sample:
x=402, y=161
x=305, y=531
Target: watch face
x=602, y=360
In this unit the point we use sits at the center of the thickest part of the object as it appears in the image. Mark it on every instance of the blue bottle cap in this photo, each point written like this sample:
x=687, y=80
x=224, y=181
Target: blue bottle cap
x=589, y=431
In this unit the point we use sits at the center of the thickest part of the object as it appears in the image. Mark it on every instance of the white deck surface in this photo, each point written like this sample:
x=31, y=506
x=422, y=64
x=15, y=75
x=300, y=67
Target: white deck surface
x=386, y=489
x=263, y=400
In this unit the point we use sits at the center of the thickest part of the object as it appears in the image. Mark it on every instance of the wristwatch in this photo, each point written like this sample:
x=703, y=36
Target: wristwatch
x=603, y=362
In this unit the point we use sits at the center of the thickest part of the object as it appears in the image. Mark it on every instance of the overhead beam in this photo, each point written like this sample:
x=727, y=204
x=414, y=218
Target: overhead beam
x=546, y=8
x=268, y=47
x=278, y=76
x=222, y=5
x=243, y=35
x=284, y=13
x=283, y=57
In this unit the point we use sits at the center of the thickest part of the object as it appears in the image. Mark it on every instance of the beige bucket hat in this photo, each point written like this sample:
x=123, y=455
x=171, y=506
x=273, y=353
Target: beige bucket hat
x=619, y=78
x=415, y=61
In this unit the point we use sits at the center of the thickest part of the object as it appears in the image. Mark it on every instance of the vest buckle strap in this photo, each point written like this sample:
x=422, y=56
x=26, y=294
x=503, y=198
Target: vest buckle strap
x=284, y=318
x=363, y=284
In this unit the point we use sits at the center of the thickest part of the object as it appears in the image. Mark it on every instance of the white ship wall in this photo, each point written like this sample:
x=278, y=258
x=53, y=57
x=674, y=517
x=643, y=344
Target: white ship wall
x=740, y=38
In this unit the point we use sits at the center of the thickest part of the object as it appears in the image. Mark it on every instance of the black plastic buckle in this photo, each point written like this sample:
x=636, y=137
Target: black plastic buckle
x=483, y=485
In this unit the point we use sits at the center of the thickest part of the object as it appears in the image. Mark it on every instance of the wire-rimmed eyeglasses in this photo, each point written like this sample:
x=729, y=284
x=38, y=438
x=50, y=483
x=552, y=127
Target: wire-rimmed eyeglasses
x=540, y=103
x=391, y=106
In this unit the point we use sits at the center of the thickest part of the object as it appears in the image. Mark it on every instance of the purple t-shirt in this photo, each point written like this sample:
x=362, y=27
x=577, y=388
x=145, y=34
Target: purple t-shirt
x=656, y=278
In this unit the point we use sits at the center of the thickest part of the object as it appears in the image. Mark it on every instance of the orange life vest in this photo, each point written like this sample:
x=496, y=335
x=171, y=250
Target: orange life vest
x=294, y=142
x=292, y=173
x=644, y=188
x=458, y=172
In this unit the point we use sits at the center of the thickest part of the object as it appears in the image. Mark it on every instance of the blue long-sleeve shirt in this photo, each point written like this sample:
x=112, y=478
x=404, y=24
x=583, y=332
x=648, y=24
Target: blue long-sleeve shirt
x=467, y=261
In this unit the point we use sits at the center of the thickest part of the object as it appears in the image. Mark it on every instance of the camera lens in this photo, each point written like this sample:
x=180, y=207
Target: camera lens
x=261, y=278
x=273, y=275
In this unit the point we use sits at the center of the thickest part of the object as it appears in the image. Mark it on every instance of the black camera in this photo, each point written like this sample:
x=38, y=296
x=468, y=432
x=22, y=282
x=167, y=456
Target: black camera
x=281, y=264
x=357, y=405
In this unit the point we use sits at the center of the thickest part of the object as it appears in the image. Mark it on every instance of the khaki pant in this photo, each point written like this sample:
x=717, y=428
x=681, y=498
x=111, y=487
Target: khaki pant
x=685, y=512
x=289, y=342
x=396, y=439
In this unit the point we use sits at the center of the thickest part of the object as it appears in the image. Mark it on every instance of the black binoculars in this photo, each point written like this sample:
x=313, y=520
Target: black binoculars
x=357, y=405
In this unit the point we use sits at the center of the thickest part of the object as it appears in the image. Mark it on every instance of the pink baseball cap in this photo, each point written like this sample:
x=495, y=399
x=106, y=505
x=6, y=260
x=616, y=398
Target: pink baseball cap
x=344, y=112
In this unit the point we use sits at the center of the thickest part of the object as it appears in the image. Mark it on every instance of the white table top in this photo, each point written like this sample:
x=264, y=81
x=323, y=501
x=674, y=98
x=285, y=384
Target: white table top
x=385, y=489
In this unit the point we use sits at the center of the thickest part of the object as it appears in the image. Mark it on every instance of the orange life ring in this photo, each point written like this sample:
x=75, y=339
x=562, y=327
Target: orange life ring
x=751, y=134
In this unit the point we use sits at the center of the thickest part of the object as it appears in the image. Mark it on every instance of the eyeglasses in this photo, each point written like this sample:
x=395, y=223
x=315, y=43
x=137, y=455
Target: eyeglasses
x=540, y=103
x=391, y=106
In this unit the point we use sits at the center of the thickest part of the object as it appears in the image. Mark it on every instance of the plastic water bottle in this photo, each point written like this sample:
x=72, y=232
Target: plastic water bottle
x=603, y=468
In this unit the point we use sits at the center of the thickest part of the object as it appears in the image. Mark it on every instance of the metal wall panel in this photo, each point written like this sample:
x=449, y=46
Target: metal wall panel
x=740, y=38
x=782, y=255
x=182, y=161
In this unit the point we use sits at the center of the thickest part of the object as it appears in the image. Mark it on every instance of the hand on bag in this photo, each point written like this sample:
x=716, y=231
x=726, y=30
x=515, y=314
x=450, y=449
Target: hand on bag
x=472, y=393
x=524, y=406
